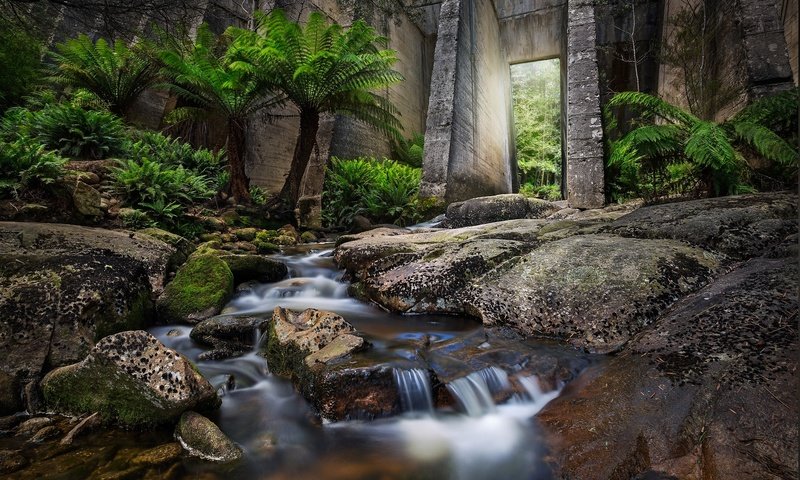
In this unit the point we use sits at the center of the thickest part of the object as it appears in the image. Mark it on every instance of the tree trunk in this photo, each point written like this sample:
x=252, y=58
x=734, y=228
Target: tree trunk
x=309, y=124
x=240, y=184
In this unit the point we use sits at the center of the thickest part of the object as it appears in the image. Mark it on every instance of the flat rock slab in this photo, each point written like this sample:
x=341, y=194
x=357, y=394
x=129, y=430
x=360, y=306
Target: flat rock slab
x=495, y=208
x=597, y=291
x=709, y=391
x=741, y=226
x=131, y=379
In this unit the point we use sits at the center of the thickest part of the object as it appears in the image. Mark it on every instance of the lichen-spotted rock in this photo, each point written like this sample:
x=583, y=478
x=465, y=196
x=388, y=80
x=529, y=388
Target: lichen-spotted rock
x=131, y=379
x=595, y=290
x=64, y=287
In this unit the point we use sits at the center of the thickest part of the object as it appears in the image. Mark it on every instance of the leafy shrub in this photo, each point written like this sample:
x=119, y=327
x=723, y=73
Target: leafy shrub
x=77, y=132
x=409, y=151
x=258, y=195
x=25, y=163
x=147, y=182
x=172, y=152
x=385, y=191
x=549, y=192
x=671, y=151
x=135, y=219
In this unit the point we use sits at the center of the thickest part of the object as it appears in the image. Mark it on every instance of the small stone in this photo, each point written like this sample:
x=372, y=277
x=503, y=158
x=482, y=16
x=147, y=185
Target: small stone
x=29, y=427
x=87, y=200
x=11, y=461
x=201, y=438
x=246, y=234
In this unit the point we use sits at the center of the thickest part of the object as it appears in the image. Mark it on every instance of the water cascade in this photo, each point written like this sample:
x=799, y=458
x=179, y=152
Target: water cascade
x=414, y=387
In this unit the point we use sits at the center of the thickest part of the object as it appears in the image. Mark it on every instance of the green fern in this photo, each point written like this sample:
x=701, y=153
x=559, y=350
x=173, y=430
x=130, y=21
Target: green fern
x=320, y=67
x=115, y=73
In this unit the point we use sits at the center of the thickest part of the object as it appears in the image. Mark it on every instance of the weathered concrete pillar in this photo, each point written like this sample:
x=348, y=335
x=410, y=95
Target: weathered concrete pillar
x=764, y=43
x=468, y=139
x=584, y=142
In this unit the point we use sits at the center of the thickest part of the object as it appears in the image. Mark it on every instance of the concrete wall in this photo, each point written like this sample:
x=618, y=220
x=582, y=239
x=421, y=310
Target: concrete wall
x=531, y=30
x=469, y=143
x=790, y=25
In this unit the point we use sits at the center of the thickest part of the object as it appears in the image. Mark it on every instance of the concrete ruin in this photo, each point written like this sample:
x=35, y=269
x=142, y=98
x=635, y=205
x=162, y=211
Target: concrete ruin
x=456, y=57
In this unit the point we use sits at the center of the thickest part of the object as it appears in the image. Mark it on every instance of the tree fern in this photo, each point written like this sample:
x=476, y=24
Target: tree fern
x=114, y=72
x=321, y=67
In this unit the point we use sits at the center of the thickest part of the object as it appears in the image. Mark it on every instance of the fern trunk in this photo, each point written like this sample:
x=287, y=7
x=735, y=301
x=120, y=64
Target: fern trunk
x=239, y=184
x=309, y=125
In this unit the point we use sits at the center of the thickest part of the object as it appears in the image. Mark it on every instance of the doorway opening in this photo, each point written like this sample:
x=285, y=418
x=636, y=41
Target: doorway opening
x=536, y=95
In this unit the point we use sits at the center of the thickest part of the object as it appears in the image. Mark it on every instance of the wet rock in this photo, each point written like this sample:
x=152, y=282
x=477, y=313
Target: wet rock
x=201, y=438
x=29, y=427
x=708, y=391
x=11, y=461
x=434, y=280
x=315, y=350
x=236, y=333
x=597, y=291
x=45, y=433
x=201, y=287
x=63, y=287
x=183, y=247
x=255, y=267
x=477, y=211
x=159, y=455
x=84, y=426
x=132, y=379
x=740, y=226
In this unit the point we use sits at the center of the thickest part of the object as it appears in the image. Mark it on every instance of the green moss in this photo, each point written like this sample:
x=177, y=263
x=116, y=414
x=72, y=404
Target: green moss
x=105, y=390
x=266, y=247
x=201, y=287
x=308, y=237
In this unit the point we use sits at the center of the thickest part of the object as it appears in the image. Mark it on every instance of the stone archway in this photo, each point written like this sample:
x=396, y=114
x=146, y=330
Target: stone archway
x=469, y=147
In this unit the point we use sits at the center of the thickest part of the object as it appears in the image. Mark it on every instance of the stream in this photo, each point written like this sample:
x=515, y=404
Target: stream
x=474, y=439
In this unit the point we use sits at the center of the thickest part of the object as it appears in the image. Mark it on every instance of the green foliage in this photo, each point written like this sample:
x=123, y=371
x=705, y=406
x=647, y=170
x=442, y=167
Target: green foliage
x=26, y=164
x=537, y=121
x=551, y=192
x=258, y=195
x=76, y=132
x=147, y=183
x=319, y=68
x=20, y=63
x=670, y=151
x=115, y=73
x=385, y=191
x=409, y=151
x=174, y=153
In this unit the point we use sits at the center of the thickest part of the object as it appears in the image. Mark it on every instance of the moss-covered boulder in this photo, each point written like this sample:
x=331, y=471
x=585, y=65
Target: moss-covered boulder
x=201, y=438
x=200, y=289
x=131, y=379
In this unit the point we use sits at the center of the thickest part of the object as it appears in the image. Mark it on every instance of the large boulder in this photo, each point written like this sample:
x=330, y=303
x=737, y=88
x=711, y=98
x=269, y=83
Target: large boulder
x=707, y=392
x=315, y=349
x=741, y=226
x=64, y=287
x=201, y=287
x=496, y=208
x=131, y=379
x=595, y=290
x=254, y=267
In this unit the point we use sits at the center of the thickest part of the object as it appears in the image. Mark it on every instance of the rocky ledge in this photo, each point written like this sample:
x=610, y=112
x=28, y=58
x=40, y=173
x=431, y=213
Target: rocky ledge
x=696, y=299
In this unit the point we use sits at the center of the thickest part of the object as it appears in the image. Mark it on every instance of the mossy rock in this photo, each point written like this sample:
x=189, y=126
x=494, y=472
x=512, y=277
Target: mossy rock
x=201, y=288
x=246, y=234
x=308, y=237
x=132, y=380
x=266, y=247
x=183, y=247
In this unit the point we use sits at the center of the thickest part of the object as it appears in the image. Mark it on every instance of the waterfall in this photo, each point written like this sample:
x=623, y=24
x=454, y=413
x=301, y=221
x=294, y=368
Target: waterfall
x=414, y=387
x=474, y=392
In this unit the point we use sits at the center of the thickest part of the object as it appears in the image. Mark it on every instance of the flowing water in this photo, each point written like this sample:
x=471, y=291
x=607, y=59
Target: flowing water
x=475, y=438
